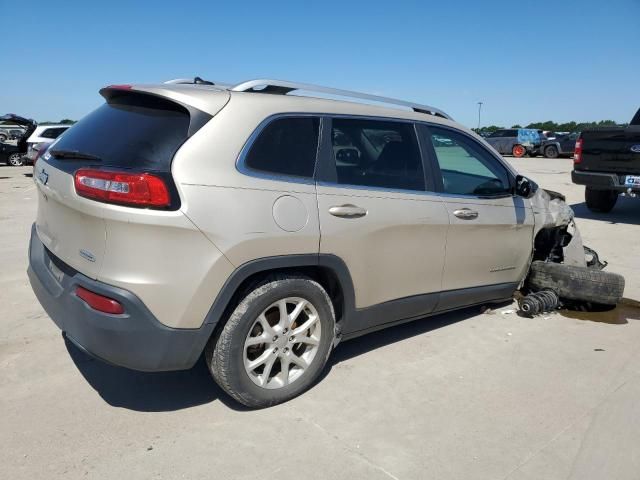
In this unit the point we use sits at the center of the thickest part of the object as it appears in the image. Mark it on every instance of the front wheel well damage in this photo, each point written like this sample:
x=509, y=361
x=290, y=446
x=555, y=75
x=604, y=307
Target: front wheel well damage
x=549, y=243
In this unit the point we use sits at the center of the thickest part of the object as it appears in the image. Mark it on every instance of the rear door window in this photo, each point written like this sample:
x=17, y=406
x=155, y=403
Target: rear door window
x=286, y=146
x=134, y=131
x=375, y=153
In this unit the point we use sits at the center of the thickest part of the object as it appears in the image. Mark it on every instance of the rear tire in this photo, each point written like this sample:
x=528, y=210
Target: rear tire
x=551, y=152
x=577, y=283
x=16, y=160
x=518, y=151
x=238, y=358
x=600, y=201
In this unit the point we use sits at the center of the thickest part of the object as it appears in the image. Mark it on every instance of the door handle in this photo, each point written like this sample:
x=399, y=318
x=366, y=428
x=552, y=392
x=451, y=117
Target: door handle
x=466, y=214
x=347, y=211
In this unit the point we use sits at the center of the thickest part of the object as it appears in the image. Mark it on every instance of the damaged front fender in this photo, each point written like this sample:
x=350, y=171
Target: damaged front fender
x=556, y=234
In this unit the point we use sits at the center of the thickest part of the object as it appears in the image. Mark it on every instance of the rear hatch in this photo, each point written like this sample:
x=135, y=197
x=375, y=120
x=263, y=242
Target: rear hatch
x=132, y=133
x=611, y=150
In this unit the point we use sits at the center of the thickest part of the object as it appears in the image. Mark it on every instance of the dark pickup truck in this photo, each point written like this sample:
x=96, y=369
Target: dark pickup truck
x=607, y=161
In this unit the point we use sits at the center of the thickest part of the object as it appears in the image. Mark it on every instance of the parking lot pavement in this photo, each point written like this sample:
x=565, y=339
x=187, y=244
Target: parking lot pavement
x=461, y=396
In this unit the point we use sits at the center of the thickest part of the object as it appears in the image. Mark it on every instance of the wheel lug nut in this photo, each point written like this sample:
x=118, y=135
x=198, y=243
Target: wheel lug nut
x=275, y=350
x=285, y=330
x=292, y=338
x=275, y=337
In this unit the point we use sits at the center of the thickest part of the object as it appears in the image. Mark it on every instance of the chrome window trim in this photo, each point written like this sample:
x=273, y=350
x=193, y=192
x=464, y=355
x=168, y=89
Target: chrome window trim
x=376, y=189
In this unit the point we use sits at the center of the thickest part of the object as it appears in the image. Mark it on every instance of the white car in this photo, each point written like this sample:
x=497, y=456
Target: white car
x=43, y=136
x=47, y=133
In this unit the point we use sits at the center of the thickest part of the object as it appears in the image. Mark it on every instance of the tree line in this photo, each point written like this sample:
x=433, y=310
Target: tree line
x=553, y=126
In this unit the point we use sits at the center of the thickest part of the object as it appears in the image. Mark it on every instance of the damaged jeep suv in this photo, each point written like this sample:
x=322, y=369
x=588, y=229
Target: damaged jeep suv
x=260, y=228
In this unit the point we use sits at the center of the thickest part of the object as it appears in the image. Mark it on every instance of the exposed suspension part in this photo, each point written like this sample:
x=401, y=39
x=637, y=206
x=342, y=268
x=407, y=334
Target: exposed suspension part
x=539, y=302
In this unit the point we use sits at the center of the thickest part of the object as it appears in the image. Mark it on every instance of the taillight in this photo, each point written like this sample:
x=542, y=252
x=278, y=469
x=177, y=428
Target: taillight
x=577, y=154
x=99, y=302
x=133, y=189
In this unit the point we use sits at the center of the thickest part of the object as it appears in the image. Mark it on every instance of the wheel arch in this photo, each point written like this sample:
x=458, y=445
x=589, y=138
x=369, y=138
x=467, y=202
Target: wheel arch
x=552, y=144
x=328, y=270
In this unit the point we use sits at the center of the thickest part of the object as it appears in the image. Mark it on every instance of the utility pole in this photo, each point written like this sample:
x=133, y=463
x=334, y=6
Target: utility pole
x=479, y=111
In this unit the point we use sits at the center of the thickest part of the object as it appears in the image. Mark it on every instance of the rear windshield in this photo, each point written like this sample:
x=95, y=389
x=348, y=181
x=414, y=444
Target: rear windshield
x=135, y=131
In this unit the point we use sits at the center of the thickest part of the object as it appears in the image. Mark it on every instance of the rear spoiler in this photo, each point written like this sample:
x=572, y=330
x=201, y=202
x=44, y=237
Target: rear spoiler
x=636, y=118
x=126, y=94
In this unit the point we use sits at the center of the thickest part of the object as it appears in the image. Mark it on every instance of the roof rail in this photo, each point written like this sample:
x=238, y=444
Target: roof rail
x=283, y=87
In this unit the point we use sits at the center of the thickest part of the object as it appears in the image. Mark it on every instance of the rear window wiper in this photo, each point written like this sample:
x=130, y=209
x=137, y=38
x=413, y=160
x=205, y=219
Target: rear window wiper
x=74, y=154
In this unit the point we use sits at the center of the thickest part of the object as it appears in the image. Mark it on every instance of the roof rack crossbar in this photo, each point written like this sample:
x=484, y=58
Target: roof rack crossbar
x=283, y=87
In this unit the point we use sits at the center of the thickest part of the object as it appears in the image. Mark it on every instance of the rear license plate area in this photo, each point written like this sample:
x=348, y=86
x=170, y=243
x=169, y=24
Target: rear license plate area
x=632, y=181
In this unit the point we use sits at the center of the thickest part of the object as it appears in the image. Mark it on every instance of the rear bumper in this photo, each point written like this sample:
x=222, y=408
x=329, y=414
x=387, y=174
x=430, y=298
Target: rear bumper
x=598, y=180
x=134, y=339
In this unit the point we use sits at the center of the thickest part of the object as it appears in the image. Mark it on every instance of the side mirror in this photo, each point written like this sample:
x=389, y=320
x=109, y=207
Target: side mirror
x=525, y=187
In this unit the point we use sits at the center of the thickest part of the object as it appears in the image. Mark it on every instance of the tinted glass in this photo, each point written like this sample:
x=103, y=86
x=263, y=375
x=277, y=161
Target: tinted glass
x=375, y=153
x=131, y=131
x=466, y=167
x=498, y=133
x=52, y=132
x=287, y=146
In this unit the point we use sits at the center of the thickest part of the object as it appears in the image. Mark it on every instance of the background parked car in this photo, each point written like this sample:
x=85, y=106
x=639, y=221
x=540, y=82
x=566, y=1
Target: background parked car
x=16, y=134
x=10, y=154
x=607, y=162
x=516, y=141
x=14, y=154
x=561, y=145
x=47, y=133
x=42, y=137
x=9, y=132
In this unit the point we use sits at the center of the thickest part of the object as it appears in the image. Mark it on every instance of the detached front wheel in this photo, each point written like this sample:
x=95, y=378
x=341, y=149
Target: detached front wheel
x=275, y=343
x=577, y=283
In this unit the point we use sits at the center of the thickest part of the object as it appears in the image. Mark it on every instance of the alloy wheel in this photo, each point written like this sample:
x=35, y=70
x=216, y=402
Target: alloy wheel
x=15, y=159
x=282, y=343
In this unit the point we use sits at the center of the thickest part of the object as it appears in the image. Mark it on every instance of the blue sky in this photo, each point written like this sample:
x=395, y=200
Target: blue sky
x=527, y=61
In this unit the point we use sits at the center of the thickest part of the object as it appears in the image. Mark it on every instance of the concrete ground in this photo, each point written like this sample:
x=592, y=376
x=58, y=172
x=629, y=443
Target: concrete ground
x=460, y=396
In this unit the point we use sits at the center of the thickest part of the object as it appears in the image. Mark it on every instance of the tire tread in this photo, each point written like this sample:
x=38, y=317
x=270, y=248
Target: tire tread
x=577, y=283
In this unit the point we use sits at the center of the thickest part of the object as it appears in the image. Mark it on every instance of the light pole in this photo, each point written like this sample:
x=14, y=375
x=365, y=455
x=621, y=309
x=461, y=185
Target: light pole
x=479, y=110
